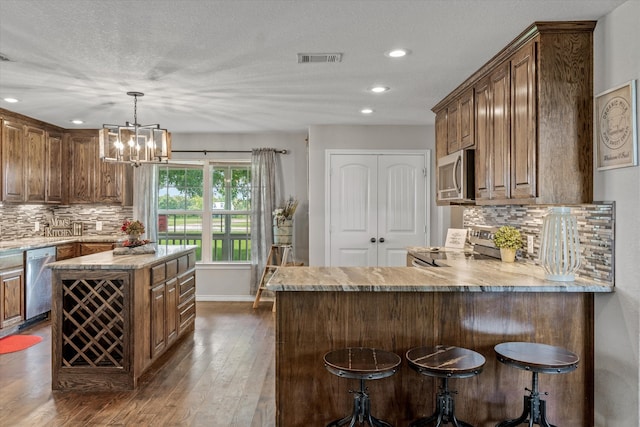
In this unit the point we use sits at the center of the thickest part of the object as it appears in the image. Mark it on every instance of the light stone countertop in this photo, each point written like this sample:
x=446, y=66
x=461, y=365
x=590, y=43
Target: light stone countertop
x=109, y=261
x=463, y=275
x=43, y=242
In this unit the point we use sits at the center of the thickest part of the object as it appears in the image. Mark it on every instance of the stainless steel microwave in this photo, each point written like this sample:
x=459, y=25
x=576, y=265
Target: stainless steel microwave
x=456, y=177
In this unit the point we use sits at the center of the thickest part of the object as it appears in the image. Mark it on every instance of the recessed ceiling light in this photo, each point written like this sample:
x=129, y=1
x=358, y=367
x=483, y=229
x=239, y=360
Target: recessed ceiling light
x=12, y=100
x=397, y=53
x=366, y=111
x=379, y=89
x=76, y=121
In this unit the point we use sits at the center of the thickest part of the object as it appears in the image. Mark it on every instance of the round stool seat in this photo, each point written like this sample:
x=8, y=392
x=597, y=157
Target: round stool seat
x=362, y=363
x=541, y=358
x=445, y=361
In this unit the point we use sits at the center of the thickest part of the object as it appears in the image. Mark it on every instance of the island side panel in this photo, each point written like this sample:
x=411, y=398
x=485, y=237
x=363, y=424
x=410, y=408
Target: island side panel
x=309, y=324
x=91, y=323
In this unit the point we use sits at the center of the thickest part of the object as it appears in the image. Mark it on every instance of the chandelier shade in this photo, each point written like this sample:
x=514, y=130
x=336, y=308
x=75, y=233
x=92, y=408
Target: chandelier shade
x=134, y=143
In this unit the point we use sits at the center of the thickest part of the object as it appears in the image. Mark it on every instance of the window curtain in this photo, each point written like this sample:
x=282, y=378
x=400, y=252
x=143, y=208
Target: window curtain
x=263, y=201
x=145, y=202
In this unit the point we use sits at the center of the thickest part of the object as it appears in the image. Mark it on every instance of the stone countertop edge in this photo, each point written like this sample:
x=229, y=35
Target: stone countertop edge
x=44, y=242
x=108, y=261
x=459, y=276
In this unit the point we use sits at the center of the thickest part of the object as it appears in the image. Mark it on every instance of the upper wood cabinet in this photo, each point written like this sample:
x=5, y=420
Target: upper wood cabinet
x=532, y=118
x=32, y=162
x=13, y=170
x=92, y=180
x=460, y=123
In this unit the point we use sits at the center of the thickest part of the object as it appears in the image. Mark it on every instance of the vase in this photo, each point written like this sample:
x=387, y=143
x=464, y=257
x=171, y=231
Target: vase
x=507, y=254
x=560, y=246
x=133, y=237
x=282, y=231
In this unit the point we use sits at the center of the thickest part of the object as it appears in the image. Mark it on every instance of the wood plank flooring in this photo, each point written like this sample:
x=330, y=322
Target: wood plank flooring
x=223, y=375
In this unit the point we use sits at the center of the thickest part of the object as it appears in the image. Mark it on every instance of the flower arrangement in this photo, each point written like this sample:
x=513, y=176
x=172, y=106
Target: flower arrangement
x=507, y=237
x=132, y=227
x=285, y=212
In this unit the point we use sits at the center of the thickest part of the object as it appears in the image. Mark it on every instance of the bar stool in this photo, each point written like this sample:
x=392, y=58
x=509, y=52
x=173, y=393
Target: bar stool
x=363, y=364
x=444, y=362
x=537, y=358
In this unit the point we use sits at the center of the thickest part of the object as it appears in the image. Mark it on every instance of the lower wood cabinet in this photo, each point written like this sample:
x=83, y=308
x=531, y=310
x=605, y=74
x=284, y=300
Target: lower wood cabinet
x=11, y=290
x=65, y=251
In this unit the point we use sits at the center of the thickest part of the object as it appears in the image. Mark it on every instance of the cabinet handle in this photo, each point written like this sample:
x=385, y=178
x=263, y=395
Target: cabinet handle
x=381, y=240
x=373, y=240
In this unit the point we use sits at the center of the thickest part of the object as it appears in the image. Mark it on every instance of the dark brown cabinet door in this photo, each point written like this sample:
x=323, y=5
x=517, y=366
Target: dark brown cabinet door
x=158, y=319
x=13, y=164
x=523, y=123
x=12, y=297
x=483, y=138
x=171, y=292
x=466, y=119
x=499, y=162
x=84, y=155
x=35, y=162
x=54, y=166
x=109, y=182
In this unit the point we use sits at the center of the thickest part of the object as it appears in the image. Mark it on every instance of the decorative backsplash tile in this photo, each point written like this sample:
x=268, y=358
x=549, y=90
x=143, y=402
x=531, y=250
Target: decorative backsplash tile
x=18, y=221
x=596, y=226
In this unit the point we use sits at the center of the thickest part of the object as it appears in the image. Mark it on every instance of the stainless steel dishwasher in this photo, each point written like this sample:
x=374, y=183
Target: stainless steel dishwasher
x=38, y=281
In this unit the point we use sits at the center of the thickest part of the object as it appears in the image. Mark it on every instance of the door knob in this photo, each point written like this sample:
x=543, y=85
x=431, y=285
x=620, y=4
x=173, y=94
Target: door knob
x=373, y=240
x=381, y=240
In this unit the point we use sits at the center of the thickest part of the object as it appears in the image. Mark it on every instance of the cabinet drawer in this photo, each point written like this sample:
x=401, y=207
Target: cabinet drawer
x=187, y=313
x=183, y=264
x=187, y=284
x=187, y=295
x=158, y=274
x=172, y=268
x=65, y=251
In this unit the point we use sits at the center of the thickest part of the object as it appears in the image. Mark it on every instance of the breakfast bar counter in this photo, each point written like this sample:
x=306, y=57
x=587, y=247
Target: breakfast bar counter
x=471, y=304
x=113, y=316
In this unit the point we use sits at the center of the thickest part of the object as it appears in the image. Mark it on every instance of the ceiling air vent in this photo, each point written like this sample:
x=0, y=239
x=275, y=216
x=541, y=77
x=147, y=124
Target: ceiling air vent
x=308, y=58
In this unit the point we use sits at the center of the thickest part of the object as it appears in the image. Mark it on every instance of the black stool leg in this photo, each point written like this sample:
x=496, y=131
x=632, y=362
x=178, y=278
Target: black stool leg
x=361, y=412
x=445, y=410
x=535, y=409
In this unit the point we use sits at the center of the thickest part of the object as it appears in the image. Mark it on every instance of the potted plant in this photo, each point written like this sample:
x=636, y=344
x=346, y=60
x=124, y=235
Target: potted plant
x=509, y=240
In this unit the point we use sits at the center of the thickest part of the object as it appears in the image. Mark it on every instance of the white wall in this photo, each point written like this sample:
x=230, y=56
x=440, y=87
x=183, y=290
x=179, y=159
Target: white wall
x=617, y=318
x=232, y=281
x=325, y=137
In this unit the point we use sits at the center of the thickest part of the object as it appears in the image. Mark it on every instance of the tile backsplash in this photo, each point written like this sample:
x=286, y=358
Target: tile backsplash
x=596, y=226
x=18, y=221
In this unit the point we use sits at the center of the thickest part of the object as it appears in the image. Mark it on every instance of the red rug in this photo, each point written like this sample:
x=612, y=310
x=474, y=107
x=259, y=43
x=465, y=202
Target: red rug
x=14, y=343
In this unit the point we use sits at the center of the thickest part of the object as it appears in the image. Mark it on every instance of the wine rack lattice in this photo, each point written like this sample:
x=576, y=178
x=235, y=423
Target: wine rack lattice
x=93, y=322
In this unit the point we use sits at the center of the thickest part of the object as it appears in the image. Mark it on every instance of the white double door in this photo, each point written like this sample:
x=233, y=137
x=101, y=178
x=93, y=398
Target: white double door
x=377, y=208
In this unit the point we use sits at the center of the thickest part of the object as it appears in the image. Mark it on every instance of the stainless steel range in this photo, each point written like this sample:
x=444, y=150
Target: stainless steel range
x=481, y=237
x=480, y=246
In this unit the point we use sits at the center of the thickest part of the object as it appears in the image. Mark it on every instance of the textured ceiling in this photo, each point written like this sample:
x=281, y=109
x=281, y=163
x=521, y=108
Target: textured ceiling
x=230, y=65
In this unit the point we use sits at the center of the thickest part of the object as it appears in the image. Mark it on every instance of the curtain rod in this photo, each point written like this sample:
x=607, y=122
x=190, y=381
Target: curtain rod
x=222, y=151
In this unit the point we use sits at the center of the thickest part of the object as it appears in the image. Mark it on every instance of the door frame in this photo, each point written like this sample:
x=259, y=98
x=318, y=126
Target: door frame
x=426, y=153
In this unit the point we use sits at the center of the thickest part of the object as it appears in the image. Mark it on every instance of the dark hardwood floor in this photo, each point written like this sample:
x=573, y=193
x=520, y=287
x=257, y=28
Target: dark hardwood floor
x=222, y=375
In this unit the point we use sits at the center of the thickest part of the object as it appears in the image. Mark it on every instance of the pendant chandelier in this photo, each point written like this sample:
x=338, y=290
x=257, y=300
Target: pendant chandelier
x=134, y=143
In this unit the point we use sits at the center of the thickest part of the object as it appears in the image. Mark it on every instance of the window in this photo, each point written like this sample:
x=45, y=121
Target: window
x=209, y=206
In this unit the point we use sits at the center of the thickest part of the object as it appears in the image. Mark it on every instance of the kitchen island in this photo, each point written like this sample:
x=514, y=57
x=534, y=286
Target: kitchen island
x=470, y=303
x=113, y=316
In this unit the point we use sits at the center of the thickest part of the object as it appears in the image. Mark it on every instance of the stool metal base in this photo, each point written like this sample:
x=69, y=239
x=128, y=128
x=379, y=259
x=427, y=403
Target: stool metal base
x=445, y=410
x=535, y=409
x=361, y=412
